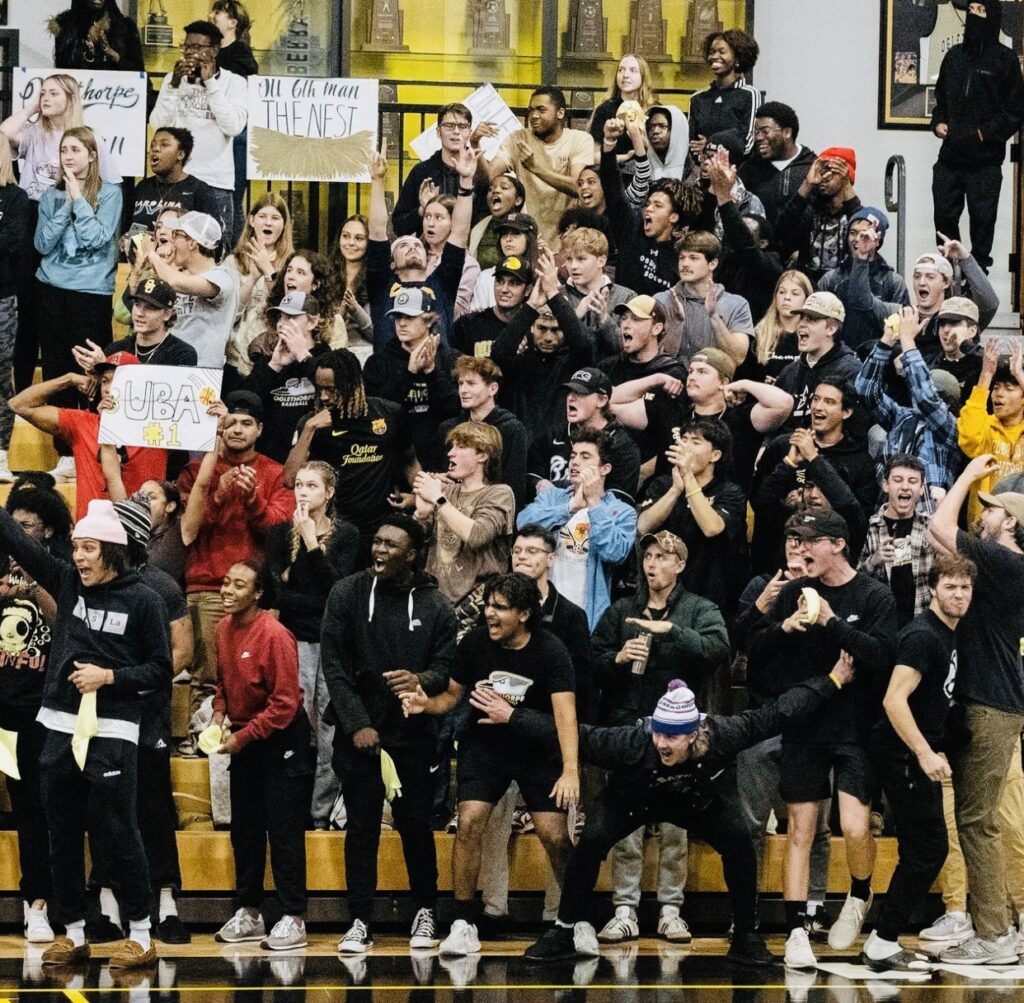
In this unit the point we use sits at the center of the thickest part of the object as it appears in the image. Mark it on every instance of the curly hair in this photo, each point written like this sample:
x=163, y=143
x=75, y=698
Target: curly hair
x=324, y=289
x=744, y=48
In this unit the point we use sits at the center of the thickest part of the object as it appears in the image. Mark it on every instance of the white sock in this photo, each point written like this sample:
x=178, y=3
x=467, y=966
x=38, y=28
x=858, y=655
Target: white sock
x=563, y=924
x=813, y=907
x=76, y=932
x=138, y=930
x=109, y=906
x=168, y=907
x=876, y=948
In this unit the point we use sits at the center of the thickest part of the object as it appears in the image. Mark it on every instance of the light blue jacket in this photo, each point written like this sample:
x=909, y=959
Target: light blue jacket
x=78, y=243
x=612, y=535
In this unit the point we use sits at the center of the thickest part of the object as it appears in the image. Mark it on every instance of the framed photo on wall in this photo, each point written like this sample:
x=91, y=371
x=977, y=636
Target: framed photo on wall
x=915, y=36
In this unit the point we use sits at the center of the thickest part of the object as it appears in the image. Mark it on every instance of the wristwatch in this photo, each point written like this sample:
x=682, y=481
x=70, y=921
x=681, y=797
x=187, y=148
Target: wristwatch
x=440, y=501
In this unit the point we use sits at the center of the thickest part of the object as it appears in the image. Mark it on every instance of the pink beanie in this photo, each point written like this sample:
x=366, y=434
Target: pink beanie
x=101, y=523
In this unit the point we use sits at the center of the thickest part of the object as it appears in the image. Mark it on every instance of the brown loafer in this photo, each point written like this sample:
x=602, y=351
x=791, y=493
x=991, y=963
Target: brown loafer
x=131, y=955
x=63, y=952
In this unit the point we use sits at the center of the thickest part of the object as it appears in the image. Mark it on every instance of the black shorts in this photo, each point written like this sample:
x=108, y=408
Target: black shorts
x=805, y=770
x=484, y=774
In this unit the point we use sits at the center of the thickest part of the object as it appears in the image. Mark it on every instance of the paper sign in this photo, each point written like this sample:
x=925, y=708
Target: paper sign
x=487, y=106
x=163, y=407
x=309, y=129
x=115, y=109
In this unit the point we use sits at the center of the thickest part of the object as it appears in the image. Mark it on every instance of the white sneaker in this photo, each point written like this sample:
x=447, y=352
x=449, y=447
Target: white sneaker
x=289, y=934
x=846, y=929
x=622, y=926
x=6, y=477
x=357, y=939
x=37, y=926
x=1001, y=951
x=798, y=950
x=585, y=940
x=950, y=928
x=462, y=939
x=672, y=927
x=245, y=925
x=64, y=472
x=423, y=935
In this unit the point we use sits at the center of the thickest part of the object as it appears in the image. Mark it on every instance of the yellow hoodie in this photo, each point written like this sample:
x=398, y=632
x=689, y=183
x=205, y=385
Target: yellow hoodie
x=980, y=432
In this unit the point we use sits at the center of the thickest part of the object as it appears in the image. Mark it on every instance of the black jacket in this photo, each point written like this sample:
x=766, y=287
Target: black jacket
x=746, y=269
x=774, y=187
x=14, y=231
x=816, y=232
x=386, y=374
x=406, y=218
x=515, y=446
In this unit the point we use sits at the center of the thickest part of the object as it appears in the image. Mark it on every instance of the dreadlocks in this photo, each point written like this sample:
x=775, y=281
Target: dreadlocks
x=350, y=393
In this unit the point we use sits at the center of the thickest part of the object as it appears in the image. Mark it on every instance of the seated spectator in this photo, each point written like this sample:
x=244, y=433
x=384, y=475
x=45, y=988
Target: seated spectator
x=660, y=627
x=596, y=529
x=700, y=313
x=391, y=268
x=1000, y=386
x=207, y=292
x=705, y=510
x=896, y=550
x=595, y=298
x=775, y=334
x=730, y=103
x=927, y=429
x=781, y=163
x=641, y=330
x=516, y=237
x=814, y=222
x=168, y=186
x=958, y=333
x=475, y=333
x=468, y=516
x=668, y=141
x=505, y=196
x=863, y=264
x=547, y=157
x=823, y=356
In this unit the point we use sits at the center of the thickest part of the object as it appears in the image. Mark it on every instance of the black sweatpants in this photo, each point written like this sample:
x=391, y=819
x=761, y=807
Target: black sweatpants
x=363, y=790
x=29, y=817
x=26, y=344
x=921, y=839
x=271, y=789
x=609, y=820
x=104, y=794
x=979, y=188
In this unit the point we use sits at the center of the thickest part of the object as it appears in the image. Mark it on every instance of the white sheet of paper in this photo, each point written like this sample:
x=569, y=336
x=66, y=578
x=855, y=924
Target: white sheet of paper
x=487, y=105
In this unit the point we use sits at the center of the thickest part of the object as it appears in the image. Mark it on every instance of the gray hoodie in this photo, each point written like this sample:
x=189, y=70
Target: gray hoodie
x=678, y=146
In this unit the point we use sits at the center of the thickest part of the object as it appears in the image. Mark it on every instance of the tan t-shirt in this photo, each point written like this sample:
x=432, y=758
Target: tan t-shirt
x=567, y=155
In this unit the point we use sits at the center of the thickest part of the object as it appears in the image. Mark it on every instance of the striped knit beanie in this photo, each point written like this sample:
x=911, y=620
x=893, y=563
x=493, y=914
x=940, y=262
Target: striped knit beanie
x=676, y=713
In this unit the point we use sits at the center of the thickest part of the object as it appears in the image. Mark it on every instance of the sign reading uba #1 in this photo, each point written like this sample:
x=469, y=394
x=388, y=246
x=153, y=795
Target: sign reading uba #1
x=311, y=129
x=163, y=407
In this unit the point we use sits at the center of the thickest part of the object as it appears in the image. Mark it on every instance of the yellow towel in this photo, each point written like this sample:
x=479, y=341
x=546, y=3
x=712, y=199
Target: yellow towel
x=86, y=727
x=9, y=754
x=388, y=773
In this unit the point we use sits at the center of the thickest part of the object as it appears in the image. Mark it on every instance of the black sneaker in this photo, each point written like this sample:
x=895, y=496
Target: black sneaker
x=748, y=948
x=490, y=927
x=818, y=925
x=173, y=931
x=901, y=961
x=557, y=944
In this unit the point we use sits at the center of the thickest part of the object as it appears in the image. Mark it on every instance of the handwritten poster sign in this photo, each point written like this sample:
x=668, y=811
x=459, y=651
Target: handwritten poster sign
x=487, y=105
x=163, y=407
x=308, y=129
x=115, y=109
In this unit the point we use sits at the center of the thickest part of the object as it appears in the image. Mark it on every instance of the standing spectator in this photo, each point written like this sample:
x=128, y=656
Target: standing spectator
x=782, y=163
x=974, y=126
x=505, y=197
x=668, y=142
x=633, y=82
x=437, y=228
x=94, y=35
x=775, y=334
x=212, y=104
x=258, y=691
x=730, y=104
x=387, y=631
x=547, y=157
x=347, y=261
x=474, y=334
x=515, y=237
x=959, y=346
x=641, y=330
x=151, y=341
x=168, y=186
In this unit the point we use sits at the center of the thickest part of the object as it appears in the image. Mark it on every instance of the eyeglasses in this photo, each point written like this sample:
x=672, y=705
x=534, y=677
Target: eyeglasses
x=765, y=131
x=529, y=551
x=455, y=126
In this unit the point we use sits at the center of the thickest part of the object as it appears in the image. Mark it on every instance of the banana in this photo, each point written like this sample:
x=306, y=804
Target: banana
x=813, y=604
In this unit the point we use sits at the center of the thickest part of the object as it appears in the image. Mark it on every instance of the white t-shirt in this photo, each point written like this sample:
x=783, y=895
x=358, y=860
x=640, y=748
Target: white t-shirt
x=781, y=165
x=39, y=152
x=569, y=573
x=206, y=323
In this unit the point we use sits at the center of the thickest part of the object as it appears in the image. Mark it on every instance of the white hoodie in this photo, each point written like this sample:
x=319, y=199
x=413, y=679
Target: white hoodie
x=678, y=147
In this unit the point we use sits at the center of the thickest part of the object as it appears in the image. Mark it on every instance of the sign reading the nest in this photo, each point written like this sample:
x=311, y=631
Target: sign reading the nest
x=163, y=407
x=311, y=129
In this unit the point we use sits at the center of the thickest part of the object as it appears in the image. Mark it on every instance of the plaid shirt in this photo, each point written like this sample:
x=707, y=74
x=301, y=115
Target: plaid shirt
x=927, y=430
x=920, y=557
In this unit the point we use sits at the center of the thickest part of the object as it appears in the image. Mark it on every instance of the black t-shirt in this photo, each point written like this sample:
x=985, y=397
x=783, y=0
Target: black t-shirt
x=786, y=351
x=990, y=636
x=621, y=369
x=366, y=454
x=928, y=646
x=154, y=196
x=474, y=333
x=544, y=659
x=172, y=351
x=625, y=460
x=901, y=573
x=237, y=58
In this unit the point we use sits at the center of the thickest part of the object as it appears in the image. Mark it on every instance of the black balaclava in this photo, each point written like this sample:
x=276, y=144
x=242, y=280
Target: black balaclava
x=979, y=31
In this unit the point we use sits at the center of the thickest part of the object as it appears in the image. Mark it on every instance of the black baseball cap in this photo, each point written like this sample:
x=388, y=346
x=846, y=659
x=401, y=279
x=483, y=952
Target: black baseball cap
x=515, y=266
x=819, y=525
x=519, y=222
x=244, y=402
x=589, y=381
x=156, y=293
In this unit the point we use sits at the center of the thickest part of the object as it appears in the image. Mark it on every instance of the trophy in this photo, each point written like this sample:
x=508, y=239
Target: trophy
x=647, y=31
x=157, y=33
x=384, y=32
x=587, y=37
x=390, y=121
x=296, y=43
x=490, y=29
x=701, y=21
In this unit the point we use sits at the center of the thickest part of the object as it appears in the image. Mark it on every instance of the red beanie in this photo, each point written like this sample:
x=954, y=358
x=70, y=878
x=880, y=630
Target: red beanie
x=843, y=153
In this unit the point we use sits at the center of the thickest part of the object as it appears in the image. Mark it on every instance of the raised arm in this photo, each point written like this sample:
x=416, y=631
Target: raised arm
x=774, y=405
x=31, y=404
x=943, y=525
x=377, y=222
x=195, y=507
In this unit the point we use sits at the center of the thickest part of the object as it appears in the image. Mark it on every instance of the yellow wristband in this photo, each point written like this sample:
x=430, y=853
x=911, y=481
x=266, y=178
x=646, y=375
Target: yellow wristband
x=690, y=494
x=789, y=462
x=835, y=679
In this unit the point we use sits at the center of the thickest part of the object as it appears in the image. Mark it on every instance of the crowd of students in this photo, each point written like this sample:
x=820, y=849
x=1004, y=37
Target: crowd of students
x=609, y=411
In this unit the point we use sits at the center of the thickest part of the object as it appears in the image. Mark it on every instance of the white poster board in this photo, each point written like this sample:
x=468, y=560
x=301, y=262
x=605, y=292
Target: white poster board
x=311, y=129
x=115, y=109
x=163, y=407
x=487, y=105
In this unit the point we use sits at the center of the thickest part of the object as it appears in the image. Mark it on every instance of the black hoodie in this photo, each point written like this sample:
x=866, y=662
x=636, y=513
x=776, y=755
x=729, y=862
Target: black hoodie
x=515, y=446
x=798, y=378
x=371, y=627
x=774, y=187
x=979, y=94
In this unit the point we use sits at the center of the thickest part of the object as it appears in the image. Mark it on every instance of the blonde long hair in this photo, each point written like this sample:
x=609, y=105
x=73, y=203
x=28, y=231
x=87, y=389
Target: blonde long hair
x=92, y=182
x=769, y=328
x=74, y=113
x=284, y=246
x=330, y=479
x=646, y=98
